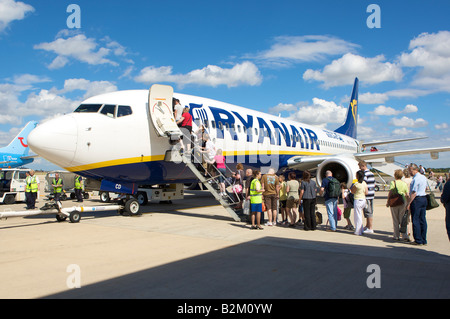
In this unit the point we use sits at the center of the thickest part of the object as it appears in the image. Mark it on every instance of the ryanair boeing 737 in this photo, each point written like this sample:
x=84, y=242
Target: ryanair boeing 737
x=122, y=139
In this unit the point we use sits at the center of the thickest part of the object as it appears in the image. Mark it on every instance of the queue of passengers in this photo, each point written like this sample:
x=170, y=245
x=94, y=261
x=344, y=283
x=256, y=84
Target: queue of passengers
x=295, y=201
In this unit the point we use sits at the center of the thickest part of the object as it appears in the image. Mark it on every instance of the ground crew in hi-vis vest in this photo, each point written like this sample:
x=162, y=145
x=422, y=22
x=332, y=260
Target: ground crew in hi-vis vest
x=78, y=188
x=256, y=200
x=31, y=189
x=57, y=184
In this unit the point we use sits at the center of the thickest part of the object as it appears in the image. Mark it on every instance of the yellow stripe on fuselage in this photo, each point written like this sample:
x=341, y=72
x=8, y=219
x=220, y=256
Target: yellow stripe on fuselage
x=154, y=158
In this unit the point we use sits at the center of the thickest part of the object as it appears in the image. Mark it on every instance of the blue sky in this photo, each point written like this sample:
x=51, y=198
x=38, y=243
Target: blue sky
x=294, y=58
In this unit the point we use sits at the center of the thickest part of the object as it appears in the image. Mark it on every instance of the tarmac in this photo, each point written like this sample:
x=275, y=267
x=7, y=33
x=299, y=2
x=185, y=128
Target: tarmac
x=192, y=249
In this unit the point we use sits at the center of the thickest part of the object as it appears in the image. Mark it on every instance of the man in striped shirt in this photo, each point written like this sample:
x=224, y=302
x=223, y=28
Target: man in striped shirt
x=369, y=178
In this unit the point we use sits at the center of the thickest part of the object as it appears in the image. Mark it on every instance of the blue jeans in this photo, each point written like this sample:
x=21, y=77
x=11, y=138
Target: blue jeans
x=418, y=218
x=332, y=212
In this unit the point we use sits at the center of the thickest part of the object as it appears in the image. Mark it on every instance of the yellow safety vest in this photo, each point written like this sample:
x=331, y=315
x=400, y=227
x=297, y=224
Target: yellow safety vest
x=57, y=189
x=28, y=184
x=31, y=184
x=255, y=197
x=78, y=182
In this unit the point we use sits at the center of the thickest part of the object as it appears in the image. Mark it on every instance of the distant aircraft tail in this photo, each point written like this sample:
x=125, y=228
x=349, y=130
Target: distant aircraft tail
x=350, y=125
x=19, y=144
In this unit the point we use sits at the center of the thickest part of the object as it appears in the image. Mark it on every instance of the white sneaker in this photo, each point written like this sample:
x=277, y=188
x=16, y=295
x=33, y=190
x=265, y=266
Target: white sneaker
x=268, y=224
x=368, y=231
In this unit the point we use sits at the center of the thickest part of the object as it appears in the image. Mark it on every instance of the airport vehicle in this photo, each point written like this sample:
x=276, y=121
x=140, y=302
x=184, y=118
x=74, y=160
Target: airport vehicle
x=127, y=139
x=12, y=185
x=16, y=153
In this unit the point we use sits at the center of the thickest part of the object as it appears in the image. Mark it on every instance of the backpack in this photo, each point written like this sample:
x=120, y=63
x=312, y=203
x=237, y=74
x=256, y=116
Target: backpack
x=334, y=188
x=350, y=199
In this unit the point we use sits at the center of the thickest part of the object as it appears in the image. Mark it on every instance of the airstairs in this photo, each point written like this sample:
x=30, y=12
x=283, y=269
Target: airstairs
x=160, y=113
x=210, y=179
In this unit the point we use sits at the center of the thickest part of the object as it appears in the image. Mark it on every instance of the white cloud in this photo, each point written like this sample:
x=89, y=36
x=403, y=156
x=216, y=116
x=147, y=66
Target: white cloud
x=92, y=88
x=387, y=110
x=290, y=49
x=282, y=107
x=11, y=10
x=344, y=70
x=430, y=53
x=408, y=122
x=372, y=98
x=441, y=126
x=402, y=131
x=78, y=47
x=44, y=103
x=320, y=113
x=410, y=108
x=245, y=73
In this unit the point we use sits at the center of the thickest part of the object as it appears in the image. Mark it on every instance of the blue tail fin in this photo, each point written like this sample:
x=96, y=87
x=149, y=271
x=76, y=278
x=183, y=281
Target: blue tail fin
x=19, y=144
x=350, y=125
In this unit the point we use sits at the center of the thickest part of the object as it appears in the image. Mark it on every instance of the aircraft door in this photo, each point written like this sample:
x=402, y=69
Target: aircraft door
x=160, y=111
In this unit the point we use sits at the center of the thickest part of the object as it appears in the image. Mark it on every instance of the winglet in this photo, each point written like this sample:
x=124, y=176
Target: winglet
x=350, y=125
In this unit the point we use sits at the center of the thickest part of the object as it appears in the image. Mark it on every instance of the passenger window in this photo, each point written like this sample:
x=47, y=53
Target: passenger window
x=213, y=124
x=108, y=110
x=88, y=108
x=124, y=110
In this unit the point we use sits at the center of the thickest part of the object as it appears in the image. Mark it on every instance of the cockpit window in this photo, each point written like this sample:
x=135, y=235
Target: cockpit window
x=108, y=110
x=124, y=110
x=88, y=108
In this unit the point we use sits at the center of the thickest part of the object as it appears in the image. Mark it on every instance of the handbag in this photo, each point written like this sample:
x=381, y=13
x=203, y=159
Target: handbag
x=394, y=198
x=318, y=218
x=431, y=200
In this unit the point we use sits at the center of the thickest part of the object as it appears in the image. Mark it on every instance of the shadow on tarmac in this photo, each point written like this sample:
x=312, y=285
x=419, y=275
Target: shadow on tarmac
x=282, y=268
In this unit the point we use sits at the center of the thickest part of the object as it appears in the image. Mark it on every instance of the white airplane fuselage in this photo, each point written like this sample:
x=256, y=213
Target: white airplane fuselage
x=126, y=148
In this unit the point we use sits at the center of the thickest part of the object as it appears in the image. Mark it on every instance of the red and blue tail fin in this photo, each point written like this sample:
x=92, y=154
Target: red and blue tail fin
x=19, y=144
x=350, y=125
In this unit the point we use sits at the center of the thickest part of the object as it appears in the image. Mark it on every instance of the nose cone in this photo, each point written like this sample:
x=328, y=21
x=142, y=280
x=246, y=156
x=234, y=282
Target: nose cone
x=55, y=140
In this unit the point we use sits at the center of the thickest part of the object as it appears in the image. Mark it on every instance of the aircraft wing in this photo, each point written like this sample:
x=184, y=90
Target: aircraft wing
x=363, y=144
x=310, y=162
x=389, y=155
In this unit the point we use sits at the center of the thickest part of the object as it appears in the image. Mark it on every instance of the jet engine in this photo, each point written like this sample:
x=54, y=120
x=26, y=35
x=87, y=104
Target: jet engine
x=343, y=168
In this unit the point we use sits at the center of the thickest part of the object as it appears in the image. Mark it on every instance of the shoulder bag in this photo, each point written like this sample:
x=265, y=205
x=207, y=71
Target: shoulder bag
x=394, y=198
